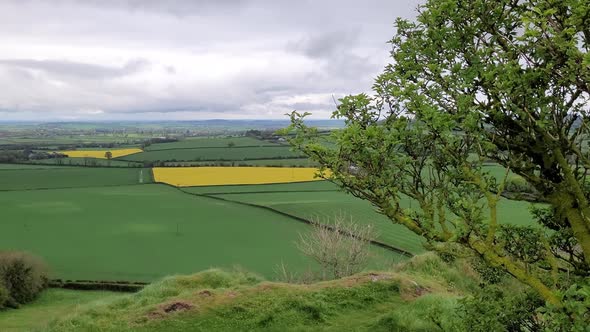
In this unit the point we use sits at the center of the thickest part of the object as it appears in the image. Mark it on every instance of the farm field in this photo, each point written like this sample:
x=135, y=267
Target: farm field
x=208, y=176
x=108, y=233
x=86, y=162
x=215, y=142
x=69, y=177
x=214, y=154
x=99, y=153
x=322, y=201
x=262, y=188
x=28, y=166
x=285, y=162
x=51, y=304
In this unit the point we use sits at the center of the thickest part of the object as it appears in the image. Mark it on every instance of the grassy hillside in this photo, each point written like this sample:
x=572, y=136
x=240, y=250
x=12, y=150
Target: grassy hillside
x=51, y=304
x=214, y=300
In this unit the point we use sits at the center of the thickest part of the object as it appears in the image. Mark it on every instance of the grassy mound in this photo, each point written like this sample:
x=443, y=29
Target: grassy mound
x=214, y=300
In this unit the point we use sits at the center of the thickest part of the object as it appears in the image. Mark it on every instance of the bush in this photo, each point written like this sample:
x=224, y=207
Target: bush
x=4, y=295
x=24, y=276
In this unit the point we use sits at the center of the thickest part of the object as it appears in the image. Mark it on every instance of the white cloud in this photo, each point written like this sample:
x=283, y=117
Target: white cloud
x=188, y=59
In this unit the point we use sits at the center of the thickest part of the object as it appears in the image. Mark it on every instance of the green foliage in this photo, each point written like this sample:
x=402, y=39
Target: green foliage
x=492, y=308
x=472, y=82
x=23, y=276
x=574, y=315
x=4, y=295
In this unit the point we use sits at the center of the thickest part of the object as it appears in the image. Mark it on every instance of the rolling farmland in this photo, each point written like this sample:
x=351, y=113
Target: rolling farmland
x=105, y=218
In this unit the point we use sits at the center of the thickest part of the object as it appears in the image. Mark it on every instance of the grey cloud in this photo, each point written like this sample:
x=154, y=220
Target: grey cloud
x=325, y=44
x=78, y=69
x=234, y=57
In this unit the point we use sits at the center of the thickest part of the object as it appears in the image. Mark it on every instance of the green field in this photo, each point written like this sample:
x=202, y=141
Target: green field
x=70, y=177
x=86, y=162
x=28, y=166
x=144, y=232
x=202, y=142
x=213, y=154
x=274, y=187
x=287, y=162
x=52, y=304
x=322, y=200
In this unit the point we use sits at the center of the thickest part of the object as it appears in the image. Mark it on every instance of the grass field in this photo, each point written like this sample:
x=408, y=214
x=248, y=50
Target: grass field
x=322, y=200
x=99, y=153
x=52, y=304
x=87, y=162
x=258, y=188
x=68, y=177
x=215, y=142
x=214, y=154
x=209, y=176
x=287, y=162
x=141, y=233
x=27, y=166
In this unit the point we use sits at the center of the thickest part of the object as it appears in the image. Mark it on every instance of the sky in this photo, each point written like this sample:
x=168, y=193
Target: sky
x=110, y=60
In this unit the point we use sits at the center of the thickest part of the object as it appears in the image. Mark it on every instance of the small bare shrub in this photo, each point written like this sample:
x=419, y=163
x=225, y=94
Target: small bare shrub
x=23, y=275
x=341, y=247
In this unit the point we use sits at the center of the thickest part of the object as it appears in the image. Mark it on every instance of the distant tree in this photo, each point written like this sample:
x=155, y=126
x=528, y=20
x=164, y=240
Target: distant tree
x=473, y=81
x=231, y=144
x=108, y=155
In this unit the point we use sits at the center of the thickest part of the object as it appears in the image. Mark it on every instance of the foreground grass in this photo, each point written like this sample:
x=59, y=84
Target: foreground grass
x=214, y=300
x=52, y=304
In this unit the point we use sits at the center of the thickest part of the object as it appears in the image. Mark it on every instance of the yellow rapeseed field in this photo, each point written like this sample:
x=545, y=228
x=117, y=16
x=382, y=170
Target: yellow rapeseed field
x=210, y=176
x=99, y=153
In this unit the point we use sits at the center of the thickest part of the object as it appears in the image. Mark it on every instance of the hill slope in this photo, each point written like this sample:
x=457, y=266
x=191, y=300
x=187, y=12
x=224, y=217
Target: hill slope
x=215, y=300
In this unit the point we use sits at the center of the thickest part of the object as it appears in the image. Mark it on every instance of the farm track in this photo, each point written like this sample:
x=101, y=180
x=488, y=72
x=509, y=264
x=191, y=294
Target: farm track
x=303, y=220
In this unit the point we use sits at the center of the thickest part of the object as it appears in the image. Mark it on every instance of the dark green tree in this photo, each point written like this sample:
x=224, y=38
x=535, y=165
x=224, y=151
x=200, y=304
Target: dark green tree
x=470, y=82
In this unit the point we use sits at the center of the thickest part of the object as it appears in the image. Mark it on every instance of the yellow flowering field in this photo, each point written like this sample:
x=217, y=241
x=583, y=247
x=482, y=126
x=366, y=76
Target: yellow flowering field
x=210, y=176
x=99, y=153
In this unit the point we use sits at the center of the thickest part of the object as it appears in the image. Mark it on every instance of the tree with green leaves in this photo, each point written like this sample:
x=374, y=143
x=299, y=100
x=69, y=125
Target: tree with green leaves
x=473, y=82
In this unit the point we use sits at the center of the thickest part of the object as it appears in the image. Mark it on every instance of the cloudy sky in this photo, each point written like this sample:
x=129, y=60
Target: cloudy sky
x=186, y=60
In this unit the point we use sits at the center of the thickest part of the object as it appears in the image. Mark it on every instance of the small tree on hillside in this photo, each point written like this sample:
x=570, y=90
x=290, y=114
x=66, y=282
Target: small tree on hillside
x=472, y=81
x=341, y=247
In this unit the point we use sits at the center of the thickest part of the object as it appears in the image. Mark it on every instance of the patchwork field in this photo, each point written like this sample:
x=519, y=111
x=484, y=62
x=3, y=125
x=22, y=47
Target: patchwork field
x=209, y=176
x=99, y=153
x=214, y=154
x=70, y=177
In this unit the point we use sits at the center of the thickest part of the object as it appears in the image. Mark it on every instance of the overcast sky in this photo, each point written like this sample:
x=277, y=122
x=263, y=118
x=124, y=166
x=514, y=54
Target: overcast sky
x=188, y=60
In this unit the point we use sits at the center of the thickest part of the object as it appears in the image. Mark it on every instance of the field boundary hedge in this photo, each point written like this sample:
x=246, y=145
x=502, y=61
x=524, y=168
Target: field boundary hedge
x=303, y=220
x=115, y=286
